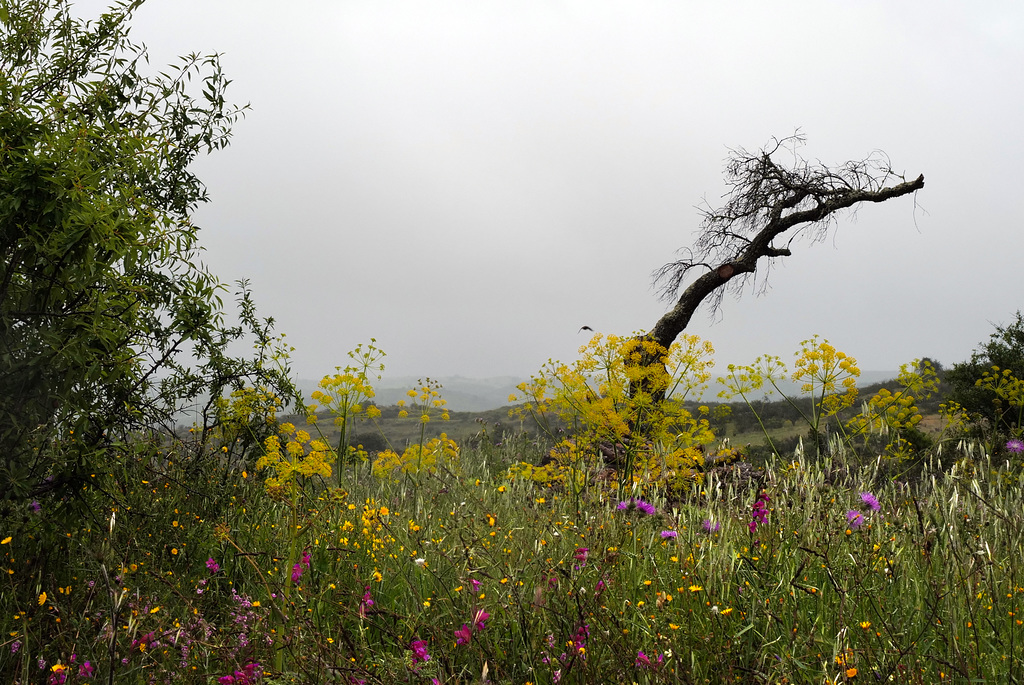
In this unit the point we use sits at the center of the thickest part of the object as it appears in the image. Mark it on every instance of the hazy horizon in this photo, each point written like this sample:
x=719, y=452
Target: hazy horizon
x=470, y=183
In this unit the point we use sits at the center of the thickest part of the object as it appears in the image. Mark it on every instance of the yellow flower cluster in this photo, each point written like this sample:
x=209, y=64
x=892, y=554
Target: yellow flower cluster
x=622, y=392
x=294, y=460
x=417, y=459
x=828, y=374
x=898, y=411
x=1004, y=384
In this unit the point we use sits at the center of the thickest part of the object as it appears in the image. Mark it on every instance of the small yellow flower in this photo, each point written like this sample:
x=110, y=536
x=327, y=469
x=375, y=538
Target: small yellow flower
x=865, y=624
x=5, y=540
x=851, y=673
x=42, y=599
x=154, y=610
x=695, y=588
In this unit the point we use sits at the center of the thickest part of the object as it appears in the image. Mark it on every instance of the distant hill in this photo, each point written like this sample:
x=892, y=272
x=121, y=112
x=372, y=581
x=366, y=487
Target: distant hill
x=485, y=394
x=461, y=393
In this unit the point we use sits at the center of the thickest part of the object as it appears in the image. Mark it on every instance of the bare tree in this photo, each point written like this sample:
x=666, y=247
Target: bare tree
x=768, y=206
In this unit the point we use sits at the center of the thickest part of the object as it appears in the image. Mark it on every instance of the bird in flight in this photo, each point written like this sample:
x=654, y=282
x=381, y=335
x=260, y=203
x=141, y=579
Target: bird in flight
x=585, y=328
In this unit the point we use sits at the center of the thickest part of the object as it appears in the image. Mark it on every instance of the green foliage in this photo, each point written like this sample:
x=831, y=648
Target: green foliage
x=108, y=322
x=925, y=589
x=1005, y=350
x=622, y=402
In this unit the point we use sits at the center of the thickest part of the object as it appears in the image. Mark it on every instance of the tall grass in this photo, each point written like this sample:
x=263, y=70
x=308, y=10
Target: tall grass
x=465, y=575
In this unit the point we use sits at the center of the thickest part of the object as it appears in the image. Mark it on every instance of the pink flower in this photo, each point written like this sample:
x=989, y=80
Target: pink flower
x=478, y=619
x=871, y=501
x=419, y=651
x=668, y=534
x=759, y=513
x=1016, y=446
x=463, y=635
x=854, y=519
x=212, y=565
x=296, y=572
x=366, y=603
x=642, y=660
x=475, y=583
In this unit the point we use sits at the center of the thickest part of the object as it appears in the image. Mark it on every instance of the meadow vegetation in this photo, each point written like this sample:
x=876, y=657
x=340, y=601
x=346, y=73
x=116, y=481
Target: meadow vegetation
x=621, y=539
x=594, y=554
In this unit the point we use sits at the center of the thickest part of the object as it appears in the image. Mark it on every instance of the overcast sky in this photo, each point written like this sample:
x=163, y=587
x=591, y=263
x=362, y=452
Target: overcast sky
x=471, y=182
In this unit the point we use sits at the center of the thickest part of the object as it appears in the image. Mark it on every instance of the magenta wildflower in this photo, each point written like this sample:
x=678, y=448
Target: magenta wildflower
x=366, y=603
x=638, y=504
x=668, y=534
x=419, y=651
x=296, y=572
x=478, y=619
x=599, y=588
x=35, y=507
x=306, y=558
x=15, y=646
x=1016, y=446
x=475, y=583
x=854, y=519
x=581, y=556
x=871, y=501
x=86, y=670
x=642, y=660
x=759, y=513
x=463, y=635
x=212, y=565
x=249, y=674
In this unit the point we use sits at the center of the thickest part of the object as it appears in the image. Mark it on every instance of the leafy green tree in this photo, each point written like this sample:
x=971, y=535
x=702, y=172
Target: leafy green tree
x=109, y=323
x=1005, y=350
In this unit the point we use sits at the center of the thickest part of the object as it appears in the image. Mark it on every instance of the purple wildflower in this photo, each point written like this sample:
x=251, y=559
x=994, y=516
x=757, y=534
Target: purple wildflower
x=15, y=646
x=475, y=583
x=759, y=513
x=1016, y=446
x=296, y=572
x=86, y=670
x=871, y=501
x=578, y=643
x=419, y=651
x=854, y=519
x=366, y=603
x=478, y=619
x=668, y=534
x=581, y=556
x=306, y=558
x=463, y=635
x=212, y=565
x=710, y=526
x=642, y=660
x=638, y=504
x=35, y=506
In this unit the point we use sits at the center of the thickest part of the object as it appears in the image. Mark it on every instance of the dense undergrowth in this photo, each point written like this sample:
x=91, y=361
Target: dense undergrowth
x=191, y=579
x=582, y=560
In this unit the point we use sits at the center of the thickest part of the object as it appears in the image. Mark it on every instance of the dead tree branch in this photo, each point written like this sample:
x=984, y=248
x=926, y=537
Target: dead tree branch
x=767, y=202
